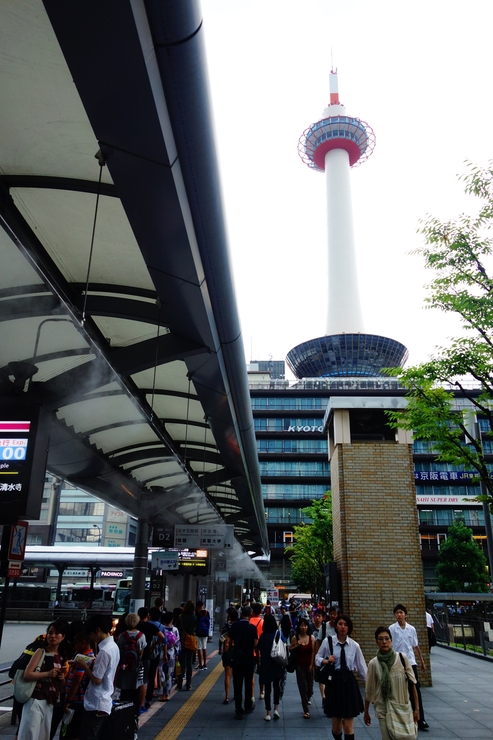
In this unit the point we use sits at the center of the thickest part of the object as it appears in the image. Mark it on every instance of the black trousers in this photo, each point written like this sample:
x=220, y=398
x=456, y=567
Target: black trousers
x=277, y=693
x=420, y=701
x=242, y=678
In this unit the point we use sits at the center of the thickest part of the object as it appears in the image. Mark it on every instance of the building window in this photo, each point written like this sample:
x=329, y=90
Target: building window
x=283, y=468
x=293, y=491
x=277, y=403
x=34, y=539
x=293, y=446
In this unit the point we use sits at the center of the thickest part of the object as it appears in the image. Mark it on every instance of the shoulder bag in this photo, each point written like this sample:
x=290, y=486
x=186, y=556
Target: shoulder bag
x=23, y=690
x=326, y=671
x=399, y=718
x=279, y=651
x=188, y=641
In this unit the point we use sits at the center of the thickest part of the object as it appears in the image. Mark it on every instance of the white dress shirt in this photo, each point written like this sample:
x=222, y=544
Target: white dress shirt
x=99, y=697
x=354, y=656
x=404, y=640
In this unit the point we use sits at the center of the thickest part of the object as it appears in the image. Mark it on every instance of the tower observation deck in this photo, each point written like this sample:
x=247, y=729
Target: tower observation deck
x=333, y=145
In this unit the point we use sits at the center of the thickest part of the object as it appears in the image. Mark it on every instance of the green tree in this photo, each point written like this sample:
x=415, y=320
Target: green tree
x=459, y=252
x=461, y=563
x=312, y=547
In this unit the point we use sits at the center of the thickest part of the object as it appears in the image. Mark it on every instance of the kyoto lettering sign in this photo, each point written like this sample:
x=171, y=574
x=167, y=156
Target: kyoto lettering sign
x=305, y=428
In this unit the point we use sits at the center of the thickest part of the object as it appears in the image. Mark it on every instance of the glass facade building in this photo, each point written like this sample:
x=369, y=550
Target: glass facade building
x=294, y=469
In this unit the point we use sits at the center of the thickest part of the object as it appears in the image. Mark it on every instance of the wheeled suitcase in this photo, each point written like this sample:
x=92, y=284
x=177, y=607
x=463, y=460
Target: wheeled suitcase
x=120, y=725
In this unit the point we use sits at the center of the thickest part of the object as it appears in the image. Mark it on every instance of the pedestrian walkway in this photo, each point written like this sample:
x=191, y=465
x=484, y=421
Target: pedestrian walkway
x=459, y=705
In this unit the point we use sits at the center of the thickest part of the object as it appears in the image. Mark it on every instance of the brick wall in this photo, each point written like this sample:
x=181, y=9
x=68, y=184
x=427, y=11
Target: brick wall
x=376, y=543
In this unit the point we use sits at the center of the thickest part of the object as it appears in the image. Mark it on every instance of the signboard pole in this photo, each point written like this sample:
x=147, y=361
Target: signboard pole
x=4, y=606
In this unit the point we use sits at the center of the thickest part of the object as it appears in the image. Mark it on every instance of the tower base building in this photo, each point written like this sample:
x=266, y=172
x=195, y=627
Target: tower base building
x=375, y=519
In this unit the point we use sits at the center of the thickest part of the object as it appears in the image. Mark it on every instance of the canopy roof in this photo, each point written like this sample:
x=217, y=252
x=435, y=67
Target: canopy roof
x=133, y=332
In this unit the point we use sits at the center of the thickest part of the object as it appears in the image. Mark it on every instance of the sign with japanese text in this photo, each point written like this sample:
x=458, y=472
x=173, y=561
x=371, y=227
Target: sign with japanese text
x=165, y=560
x=24, y=440
x=14, y=570
x=211, y=536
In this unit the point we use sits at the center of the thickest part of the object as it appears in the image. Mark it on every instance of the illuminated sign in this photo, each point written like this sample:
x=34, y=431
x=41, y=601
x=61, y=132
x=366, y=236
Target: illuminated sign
x=442, y=475
x=194, y=561
x=24, y=440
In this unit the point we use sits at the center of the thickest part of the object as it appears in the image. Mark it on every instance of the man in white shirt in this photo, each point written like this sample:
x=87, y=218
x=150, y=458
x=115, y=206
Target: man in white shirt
x=405, y=640
x=98, y=698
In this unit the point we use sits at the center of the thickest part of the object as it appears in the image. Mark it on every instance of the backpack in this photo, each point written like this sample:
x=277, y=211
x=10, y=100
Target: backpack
x=22, y=661
x=203, y=625
x=130, y=654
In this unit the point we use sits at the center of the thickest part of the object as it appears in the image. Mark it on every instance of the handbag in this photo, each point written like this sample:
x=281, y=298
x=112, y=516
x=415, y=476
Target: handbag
x=279, y=651
x=189, y=641
x=400, y=722
x=326, y=671
x=23, y=690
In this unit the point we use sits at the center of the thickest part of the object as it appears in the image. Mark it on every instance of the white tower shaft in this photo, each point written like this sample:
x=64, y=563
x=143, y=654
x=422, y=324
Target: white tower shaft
x=344, y=310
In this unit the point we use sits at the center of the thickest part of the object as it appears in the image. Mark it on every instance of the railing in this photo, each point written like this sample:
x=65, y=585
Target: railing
x=45, y=616
x=8, y=697
x=470, y=634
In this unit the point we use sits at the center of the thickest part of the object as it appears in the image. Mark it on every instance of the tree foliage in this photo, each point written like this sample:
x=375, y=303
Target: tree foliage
x=460, y=254
x=312, y=547
x=461, y=563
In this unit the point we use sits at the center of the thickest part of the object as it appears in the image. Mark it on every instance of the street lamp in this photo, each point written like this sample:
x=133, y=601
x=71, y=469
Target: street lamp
x=100, y=533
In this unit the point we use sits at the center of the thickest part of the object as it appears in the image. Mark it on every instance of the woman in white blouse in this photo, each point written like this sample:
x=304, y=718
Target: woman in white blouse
x=343, y=700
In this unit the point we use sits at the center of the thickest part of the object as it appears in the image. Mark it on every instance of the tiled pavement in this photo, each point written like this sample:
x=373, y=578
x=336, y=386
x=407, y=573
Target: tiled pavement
x=459, y=705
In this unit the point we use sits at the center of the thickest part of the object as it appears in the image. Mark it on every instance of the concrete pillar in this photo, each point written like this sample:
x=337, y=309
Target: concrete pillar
x=137, y=596
x=375, y=522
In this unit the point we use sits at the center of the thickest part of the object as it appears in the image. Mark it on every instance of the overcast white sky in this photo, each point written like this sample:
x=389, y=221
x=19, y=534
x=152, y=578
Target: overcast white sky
x=420, y=74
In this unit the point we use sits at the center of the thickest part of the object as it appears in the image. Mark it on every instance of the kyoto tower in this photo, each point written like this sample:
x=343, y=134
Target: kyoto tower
x=333, y=145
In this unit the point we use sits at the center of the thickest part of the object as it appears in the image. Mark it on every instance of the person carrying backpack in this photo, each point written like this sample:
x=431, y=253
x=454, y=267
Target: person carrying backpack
x=130, y=674
x=203, y=627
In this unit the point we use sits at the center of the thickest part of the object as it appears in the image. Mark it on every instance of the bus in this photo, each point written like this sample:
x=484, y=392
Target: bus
x=81, y=596
x=29, y=595
x=121, y=600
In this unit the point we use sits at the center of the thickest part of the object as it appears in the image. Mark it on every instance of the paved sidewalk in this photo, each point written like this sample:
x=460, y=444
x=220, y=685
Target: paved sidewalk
x=459, y=705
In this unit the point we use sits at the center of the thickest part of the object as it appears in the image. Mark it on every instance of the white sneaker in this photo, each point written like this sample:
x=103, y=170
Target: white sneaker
x=267, y=718
x=276, y=714
x=262, y=695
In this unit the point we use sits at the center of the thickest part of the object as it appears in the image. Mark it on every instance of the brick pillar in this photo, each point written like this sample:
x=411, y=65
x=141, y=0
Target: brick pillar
x=376, y=543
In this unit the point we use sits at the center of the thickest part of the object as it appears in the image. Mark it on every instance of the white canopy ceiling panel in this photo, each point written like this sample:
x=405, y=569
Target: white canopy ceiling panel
x=64, y=222
x=16, y=271
x=91, y=413
x=45, y=129
x=132, y=434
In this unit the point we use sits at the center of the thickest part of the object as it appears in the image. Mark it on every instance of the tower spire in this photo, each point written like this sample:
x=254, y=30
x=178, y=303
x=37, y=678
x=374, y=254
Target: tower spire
x=334, y=87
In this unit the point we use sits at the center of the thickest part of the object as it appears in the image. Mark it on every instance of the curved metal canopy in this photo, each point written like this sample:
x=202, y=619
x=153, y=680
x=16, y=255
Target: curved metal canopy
x=135, y=343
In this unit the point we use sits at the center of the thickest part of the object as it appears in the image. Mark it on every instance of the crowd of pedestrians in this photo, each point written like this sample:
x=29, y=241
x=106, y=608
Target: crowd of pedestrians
x=79, y=670
x=321, y=650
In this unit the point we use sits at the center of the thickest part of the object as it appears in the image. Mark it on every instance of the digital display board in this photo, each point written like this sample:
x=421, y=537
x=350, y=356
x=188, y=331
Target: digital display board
x=24, y=437
x=195, y=562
